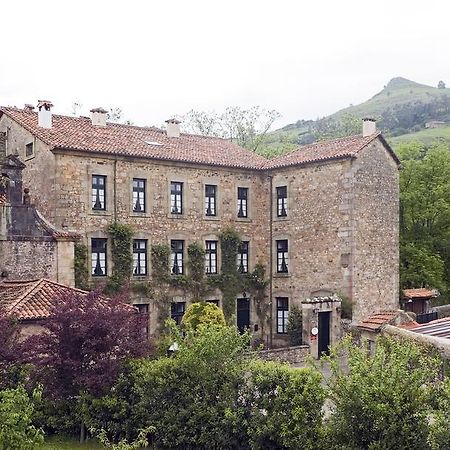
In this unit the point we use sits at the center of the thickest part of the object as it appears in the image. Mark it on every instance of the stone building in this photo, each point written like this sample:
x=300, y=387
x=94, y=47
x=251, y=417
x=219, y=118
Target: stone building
x=322, y=219
x=30, y=247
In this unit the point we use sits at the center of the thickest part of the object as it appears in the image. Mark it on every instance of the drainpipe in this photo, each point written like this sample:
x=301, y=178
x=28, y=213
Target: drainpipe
x=271, y=260
x=115, y=190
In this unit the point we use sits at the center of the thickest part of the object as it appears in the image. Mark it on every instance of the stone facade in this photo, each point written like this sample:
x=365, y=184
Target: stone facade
x=341, y=223
x=30, y=247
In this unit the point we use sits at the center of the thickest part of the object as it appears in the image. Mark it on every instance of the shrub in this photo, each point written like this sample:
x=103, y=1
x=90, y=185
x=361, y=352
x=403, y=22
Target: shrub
x=16, y=429
x=381, y=402
x=200, y=314
x=285, y=407
x=295, y=326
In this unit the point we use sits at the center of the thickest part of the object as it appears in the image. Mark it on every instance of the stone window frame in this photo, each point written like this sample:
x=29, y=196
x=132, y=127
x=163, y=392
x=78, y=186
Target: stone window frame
x=178, y=237
x=278, y=182
x=107, y=170
x=147, y=237
x=211, y=181
x=139, y=252
x=99, y=235
x=213, y=237
x=250, y=213
x=140, y=174
x=32, y=155
x=177, y=316
x=249, y=255
x=275, y=273
x=285, y=315
x=184, y=199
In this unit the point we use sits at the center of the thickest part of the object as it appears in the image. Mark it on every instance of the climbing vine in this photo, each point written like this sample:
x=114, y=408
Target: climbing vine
x=230, y=281
x=80, y=265
x=122, y=258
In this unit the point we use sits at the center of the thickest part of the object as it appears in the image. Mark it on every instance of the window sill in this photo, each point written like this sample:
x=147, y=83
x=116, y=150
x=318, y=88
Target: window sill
x=27, y=158
x=93, y=212
x=177, y=216
x=211, y=218
x=139, y=278
x=280, y=219
x=281, y=275
x=243, y=219
x=139, y=214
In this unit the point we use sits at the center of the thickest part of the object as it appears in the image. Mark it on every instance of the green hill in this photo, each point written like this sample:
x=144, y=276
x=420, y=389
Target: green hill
x=402, y=108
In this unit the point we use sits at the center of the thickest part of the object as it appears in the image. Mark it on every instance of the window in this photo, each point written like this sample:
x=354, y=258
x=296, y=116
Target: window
x=98, y=257
x=242, y=257
x=176, y=257
x=282, y=256
x=211, y=257
x=210, y=199
x=143, y=309
x=177, y=310
x=282, y=314
x=242, y=202
x=139, y=194
x=176, y=197
x=29, y=149
x=139, y=257
x=282, y=201
x=98, y=192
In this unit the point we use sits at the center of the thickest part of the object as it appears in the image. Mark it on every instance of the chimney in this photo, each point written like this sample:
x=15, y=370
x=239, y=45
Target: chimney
x=44, y=113
x=173, y=128
x=369, y=126
x=28, y=107
x=98, y=117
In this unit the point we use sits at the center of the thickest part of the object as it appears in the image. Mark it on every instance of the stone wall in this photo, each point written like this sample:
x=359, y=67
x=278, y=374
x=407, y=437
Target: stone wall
x=291, y=355
x=443, y=311
x=375, y=231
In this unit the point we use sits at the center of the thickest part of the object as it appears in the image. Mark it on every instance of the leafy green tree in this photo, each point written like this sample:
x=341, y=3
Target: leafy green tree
x=425, y=215
x=246, y=127
x=16, y=429
x=439, y=425
x=202, y=314
x=295, y=326
x=285, y=407
x=382, y=401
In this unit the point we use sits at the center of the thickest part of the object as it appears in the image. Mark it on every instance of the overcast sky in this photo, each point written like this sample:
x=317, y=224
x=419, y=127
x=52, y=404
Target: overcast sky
x=154, y=59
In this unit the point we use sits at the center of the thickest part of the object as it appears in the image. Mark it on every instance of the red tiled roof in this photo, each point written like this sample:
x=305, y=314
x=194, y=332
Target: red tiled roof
x=347, y=147
x=35, y=299
x=418, y=293
x=78, y=133
x=32, y=299
x=376, y=321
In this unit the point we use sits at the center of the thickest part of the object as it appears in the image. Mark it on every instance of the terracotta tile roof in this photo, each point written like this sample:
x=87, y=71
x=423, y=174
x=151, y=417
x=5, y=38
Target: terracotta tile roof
x=78, y=133
x=35, y=299
x=32, y=299
x=376, y=321
x=419, y=293
x=347, y=147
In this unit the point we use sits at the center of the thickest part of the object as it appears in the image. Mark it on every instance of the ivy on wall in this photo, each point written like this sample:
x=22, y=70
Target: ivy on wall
x=80, y=265
x=122, y=258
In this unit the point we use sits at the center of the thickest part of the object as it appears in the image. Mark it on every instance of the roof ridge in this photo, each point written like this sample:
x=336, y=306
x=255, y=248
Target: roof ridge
x=23, y=296
x=57, y=283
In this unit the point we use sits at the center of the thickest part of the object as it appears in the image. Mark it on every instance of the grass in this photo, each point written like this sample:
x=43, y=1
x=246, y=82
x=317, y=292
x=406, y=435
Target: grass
x=62, y=443
x=427, y=136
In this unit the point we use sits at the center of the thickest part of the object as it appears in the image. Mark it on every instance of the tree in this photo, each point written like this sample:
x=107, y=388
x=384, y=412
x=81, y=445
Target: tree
x=12, y=371
x=382, y=401
x=86, y=343
x=295, y=326
x=441, y=85
x=202, y=314
x=16, y=412
x=246, y=127
x=425, y=216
